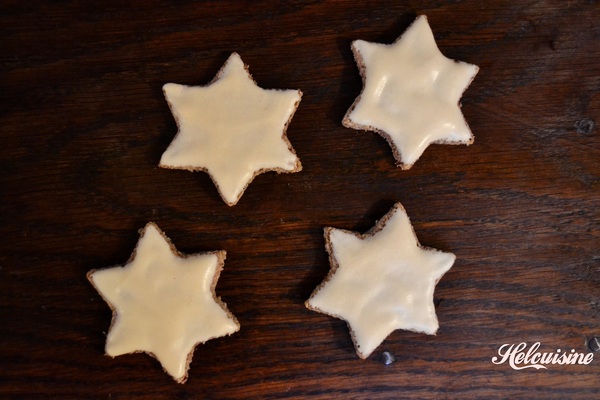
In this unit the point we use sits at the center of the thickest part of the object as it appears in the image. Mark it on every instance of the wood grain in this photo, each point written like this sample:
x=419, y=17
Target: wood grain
x=84, y=122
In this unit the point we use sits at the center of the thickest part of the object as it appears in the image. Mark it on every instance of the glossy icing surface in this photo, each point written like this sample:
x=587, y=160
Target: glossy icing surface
x=411, y=92
x=383, y=281
x=231, y=128
x=163, y=304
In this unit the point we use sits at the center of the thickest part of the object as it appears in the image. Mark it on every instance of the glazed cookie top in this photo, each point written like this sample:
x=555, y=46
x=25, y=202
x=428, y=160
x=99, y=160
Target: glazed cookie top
x=232, y=129
x=381, y=281
x=164, y=303
x=411, y=93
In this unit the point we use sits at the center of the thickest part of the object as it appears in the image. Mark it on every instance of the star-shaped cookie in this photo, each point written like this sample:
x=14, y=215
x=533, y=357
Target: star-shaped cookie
x=164, y=302
x=380, y=281
x=411, y=93
x=232, y=129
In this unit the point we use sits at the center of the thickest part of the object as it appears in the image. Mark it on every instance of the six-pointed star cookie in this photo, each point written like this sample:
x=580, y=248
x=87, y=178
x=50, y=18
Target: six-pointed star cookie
x=380, y=281
x=163, y=302
x=411, y=93
x=232, y=129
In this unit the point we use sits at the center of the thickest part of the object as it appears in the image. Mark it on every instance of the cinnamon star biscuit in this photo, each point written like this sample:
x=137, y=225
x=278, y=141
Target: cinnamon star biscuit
x=411, y=93
x=380, y=281
x=232, y=129
x=164, y=303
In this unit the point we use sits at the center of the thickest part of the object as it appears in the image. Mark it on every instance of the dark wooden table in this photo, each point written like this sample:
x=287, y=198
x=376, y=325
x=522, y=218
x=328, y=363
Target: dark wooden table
x=83, y=123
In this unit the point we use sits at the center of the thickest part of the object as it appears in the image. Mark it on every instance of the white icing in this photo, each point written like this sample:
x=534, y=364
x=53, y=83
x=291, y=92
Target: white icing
x=411, y=92
x=231, y=128
x=164, y=304
x=383, y=282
